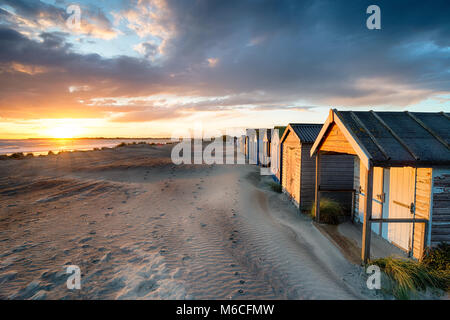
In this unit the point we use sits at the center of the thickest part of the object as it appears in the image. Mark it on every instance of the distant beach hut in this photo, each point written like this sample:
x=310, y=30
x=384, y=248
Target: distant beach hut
x=241, y=144
x=275, y=152
x=264, y=157
x=298, y=169
x=402, y=174
x=252, y=146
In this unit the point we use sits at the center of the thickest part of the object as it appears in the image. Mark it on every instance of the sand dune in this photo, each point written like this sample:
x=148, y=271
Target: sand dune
x=140, y=227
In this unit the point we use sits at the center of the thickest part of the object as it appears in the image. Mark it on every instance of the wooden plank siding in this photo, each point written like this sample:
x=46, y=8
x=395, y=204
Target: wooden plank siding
x=308, y=181
x=298, y=174
x=291, y=167
x=337, y=171
x=440, y=228
x=423, y=201
x=275, y=156
x=335, y=141
x=356, y=183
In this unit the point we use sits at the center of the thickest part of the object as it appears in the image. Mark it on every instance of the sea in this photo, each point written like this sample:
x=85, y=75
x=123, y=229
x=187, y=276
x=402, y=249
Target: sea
x=43, y=146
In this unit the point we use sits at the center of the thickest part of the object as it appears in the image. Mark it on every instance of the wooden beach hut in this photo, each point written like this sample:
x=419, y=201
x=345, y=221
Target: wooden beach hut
x=265, y=153
x=275, y=152
x=402, y=174
x=252, y=146
x=298, y=168
x=241, y=144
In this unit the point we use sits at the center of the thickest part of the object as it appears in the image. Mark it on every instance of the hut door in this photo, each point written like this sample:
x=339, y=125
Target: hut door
x=290, y=170
x=401, y=200
x=378, y=198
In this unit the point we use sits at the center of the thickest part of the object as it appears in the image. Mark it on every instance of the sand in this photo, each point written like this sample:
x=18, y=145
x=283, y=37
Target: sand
x=140, y=227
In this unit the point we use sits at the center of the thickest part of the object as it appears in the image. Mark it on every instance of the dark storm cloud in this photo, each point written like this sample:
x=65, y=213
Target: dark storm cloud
x=314, y=47
x=319, y=52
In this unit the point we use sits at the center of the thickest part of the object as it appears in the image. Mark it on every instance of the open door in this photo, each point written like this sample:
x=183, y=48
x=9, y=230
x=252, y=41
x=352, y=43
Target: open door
x=401, y=203
x=378, y=198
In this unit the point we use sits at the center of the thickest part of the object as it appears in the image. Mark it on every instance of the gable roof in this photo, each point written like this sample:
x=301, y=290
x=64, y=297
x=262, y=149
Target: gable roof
x=306, y=132
x=393, y=138
x=267, y=136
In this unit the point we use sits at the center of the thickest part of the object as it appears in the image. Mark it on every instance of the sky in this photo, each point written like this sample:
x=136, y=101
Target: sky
x=147, y=68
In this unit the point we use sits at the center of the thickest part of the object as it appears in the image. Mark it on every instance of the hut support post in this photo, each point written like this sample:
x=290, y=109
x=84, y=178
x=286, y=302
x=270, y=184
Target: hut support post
x=317, y=193
x=365, y=254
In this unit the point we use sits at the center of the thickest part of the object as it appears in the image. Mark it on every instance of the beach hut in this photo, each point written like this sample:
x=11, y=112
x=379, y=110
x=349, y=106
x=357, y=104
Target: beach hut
x=265, y=153
x=252, y=147
x=298, y=168
x=241, y=144
x=402, y=174
x=275, y=152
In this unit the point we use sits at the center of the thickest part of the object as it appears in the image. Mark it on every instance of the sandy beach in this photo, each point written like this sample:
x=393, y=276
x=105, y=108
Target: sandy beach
x=140, y=227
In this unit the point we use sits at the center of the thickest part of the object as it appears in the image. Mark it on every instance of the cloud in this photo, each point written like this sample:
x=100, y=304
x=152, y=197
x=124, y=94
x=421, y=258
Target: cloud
x=223, y=56
x=33, y=17
x=148, y=50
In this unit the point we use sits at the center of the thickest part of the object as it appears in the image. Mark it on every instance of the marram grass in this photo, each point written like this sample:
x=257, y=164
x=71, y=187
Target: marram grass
x=408, y=276
x=330, y=211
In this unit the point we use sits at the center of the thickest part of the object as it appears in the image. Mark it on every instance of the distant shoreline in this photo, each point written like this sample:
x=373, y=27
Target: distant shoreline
x=86, y=138
x=43, y=146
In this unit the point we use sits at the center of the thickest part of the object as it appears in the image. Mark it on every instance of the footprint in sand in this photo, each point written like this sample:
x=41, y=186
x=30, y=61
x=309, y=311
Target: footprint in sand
x=145, y=287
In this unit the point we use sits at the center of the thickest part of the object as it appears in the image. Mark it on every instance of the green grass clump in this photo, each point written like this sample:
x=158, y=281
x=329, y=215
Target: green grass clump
x=437, y=258
x=275, y=186
x=330, y=211
x=407, y=277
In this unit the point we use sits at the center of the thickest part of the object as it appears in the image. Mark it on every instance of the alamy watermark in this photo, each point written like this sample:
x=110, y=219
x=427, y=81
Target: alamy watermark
x=373, y=22
x=374, y=280
x=232, y=146
x=74, y=20
x=74, y=280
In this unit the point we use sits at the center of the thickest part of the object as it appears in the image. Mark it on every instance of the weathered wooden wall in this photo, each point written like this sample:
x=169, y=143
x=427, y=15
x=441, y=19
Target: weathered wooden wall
x=336, y=173
x=440, y=227
x=335, y=141
x=423, y=201
x=308, y=180
x=275, y=161
x=291, y=166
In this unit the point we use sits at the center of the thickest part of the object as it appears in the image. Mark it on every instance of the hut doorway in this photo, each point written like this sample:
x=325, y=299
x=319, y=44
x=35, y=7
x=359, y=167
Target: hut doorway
x=401, y=205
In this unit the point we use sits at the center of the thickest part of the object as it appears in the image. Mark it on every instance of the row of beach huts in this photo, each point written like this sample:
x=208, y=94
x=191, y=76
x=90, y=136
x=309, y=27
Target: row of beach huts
x=389, y=170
